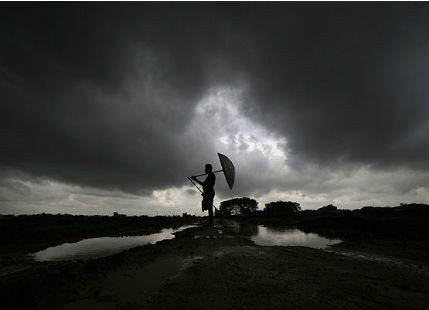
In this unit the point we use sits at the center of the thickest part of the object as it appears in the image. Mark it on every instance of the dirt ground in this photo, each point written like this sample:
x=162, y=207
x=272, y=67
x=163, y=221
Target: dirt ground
x=215, y=268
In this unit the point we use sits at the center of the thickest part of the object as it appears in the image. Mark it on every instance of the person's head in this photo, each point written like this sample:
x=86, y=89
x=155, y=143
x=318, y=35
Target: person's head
x=208, y=168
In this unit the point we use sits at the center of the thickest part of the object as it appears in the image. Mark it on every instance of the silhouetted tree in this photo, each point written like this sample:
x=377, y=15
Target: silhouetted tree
x=327, y=209
x=238, y=206
x=283, y=208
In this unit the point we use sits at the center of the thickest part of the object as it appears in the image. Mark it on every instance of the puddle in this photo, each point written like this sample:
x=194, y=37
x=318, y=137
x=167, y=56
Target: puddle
x=267, y=236
x=291, y=237
x=101, y=247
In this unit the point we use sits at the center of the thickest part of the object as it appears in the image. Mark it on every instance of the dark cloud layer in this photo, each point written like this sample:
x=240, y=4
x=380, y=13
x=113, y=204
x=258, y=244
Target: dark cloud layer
x=102, y=94
x=347, y=84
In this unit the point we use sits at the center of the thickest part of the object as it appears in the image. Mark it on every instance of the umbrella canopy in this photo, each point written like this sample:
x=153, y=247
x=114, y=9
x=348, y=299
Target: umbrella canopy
x=228, y=169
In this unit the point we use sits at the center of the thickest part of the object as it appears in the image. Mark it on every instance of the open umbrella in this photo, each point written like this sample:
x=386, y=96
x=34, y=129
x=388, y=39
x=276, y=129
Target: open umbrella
x=227, y=169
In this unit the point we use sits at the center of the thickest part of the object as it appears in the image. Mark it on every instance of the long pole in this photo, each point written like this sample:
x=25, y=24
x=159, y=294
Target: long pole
x=195, y=185
x=200, y=189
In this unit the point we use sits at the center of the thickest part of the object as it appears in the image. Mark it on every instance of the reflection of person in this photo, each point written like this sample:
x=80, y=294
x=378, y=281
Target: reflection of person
x=208, y=191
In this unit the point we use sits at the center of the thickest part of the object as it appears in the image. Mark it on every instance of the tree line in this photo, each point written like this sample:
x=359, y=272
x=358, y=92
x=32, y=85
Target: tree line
x=246, y=206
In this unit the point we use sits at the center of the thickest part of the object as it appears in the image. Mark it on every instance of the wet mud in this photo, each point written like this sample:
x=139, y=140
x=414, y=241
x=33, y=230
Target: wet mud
x=216, y=268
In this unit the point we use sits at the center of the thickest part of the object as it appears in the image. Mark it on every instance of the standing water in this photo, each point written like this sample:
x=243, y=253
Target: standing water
x=291, y=237
x=101, y=247
x=278, y=236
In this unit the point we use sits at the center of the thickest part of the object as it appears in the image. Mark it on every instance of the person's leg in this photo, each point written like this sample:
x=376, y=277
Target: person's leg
x=210, y=215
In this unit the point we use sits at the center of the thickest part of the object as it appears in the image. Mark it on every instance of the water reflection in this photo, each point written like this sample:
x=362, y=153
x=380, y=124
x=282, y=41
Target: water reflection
x=238, y=228
x=291, y=237
x=101, y=247
x=277, y=236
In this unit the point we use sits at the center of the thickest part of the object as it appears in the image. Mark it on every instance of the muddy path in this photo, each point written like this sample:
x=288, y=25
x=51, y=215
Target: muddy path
x=214, y=268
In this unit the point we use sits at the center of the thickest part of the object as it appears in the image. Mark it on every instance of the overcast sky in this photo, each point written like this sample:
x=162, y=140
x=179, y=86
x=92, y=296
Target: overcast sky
x=110, y=106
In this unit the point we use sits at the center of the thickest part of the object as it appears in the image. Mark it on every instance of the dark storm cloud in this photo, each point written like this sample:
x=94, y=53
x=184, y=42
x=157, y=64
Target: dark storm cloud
x=96, y=95
x=102, y=94
x=346, y=83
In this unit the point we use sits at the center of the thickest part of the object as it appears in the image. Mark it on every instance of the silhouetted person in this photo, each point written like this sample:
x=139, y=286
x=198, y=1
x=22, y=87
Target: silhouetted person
x=208, y=191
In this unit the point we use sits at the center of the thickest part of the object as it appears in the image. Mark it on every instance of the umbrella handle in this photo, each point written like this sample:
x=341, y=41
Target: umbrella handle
x=200, y=175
